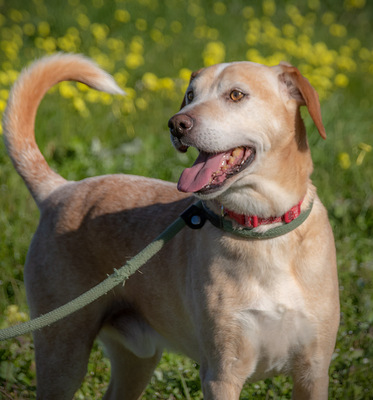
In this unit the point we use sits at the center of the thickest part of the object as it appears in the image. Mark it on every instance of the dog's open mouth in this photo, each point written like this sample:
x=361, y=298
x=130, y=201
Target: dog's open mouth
x=210, y=171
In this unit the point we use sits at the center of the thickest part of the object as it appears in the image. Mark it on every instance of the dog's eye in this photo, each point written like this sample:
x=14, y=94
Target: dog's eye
x=190, y=96
x=236, y=95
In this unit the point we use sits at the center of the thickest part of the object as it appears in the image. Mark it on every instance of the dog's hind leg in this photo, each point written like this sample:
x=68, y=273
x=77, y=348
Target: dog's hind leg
x=130, y=374
x=62, y=353
x=133, y=356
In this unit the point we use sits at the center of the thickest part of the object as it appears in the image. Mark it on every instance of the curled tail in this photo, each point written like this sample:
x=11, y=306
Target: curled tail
x=19, y=116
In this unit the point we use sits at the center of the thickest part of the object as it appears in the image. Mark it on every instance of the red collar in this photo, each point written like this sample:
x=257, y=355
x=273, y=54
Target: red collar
x=252, y=221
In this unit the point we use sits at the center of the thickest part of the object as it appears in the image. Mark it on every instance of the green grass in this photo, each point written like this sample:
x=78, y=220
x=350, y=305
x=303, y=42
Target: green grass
x=131, y=136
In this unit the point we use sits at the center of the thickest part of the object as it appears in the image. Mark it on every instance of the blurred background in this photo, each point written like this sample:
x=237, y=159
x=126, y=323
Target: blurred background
x=151, y=47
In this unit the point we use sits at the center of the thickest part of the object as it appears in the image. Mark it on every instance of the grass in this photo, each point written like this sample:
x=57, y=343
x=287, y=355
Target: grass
x=151, y=47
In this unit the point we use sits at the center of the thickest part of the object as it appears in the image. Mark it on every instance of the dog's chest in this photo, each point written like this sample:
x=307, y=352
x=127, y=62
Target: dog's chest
x=269, y=308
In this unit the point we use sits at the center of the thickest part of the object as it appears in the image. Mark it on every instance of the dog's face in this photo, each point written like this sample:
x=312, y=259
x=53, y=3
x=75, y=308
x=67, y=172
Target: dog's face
x=244, y=119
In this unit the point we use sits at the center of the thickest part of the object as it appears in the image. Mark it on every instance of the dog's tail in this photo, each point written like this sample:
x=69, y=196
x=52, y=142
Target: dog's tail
x=19, y=116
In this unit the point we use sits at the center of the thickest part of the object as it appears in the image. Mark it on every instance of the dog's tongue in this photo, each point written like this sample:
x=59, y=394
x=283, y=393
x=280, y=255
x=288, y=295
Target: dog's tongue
x=199, y=175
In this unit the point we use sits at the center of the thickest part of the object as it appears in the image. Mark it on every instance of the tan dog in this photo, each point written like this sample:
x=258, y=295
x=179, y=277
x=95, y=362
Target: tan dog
x=245, y=309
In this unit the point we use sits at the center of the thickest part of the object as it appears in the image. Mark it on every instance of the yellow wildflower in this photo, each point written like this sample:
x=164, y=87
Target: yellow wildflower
x=194, y=10
x=134, y=60
x=354, y=4
x=65, y=44
x=289, y=30
x=344, y=160
x=346, y=63
x=99, y=31
x=104, y=61
x=364, y=149
x=49, y=44
x=115, y=44
x=12, y=74
x=220, y=8
x=44, y=28
x=213, y=53
x=121, y=77
x=141, y=103
x=176, y=26
x=15, y=15
x=137, y=45
x=338, y=30
x=92, y=96
x=4, y=79
x=364, y=54
x=122, y=16
x=254, y=56
x=2, y=105
x=185, y=74
x=131, y=93
x=354, y=43
x=80, y=106
x=328, y=18
x=251, y=38
x=341, y=80
x=141, y=24
x=313, y=4
x=166, y=83
x=29, y=29
x=212, y=34
x=106, y=98
x=83, y=20
x=156, y=35
x=269, y=7
x=82, y=87
x=248, y=12
x=67, y=90
x=128, y=106
x=150, y=81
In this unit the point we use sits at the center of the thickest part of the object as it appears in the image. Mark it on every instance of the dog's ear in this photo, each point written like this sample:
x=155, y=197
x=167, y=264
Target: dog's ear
x=299, y=88
x=192, y=76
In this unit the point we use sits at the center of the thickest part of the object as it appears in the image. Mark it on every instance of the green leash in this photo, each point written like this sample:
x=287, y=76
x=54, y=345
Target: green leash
x=195, y=217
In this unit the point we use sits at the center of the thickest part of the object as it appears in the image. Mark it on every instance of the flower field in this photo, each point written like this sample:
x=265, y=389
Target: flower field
x=151, y=47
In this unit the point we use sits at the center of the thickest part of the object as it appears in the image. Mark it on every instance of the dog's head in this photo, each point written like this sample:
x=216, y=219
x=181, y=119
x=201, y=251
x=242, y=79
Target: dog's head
x=244, y=119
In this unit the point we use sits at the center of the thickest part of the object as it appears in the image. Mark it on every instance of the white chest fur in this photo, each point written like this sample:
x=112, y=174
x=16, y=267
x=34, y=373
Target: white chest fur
x=277, y=330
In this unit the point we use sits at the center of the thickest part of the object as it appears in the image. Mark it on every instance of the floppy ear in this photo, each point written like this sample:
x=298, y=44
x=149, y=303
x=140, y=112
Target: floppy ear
x=299, y=88
x=192, y=76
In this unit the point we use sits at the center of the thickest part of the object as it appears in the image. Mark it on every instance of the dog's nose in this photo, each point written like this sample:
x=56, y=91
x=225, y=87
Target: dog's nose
x=180, y=125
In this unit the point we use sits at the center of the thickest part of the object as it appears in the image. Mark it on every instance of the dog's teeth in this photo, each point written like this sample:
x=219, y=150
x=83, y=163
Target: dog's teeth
x=237, y=152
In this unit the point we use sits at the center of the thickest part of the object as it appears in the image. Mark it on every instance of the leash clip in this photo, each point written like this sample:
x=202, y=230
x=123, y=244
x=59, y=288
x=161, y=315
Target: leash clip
x=194, y=217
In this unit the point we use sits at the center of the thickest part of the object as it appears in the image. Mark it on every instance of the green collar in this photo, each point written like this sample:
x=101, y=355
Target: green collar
x=202, y=212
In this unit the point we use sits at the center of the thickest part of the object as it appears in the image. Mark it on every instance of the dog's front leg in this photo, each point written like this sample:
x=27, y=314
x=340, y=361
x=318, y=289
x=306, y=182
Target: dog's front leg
x=311, y=380
x=225, y=373
x=220, y=390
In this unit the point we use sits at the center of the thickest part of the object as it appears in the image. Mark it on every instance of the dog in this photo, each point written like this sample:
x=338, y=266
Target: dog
x=245, y=308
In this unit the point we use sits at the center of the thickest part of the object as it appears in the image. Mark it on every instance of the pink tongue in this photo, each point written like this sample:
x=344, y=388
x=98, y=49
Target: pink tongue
x=196, y=177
